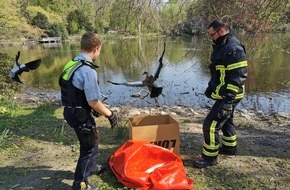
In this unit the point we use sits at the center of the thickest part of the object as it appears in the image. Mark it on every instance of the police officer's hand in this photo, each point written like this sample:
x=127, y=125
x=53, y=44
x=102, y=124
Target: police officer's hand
x=113, y=119
x=225, y=110
x=208, y=92
x=96, y=114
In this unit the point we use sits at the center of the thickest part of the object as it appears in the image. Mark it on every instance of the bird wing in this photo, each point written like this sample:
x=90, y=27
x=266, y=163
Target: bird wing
x=33, y=64
x=156, y=91
x=17, y=69
x=156, y=75
x=27, y=67
x=117, y=83
x=134, y=84
x=149, y=79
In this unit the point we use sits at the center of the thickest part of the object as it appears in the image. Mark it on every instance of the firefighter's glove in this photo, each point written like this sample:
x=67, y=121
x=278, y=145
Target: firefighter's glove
x=113, y=119
x=225, y=110
x=208, y=92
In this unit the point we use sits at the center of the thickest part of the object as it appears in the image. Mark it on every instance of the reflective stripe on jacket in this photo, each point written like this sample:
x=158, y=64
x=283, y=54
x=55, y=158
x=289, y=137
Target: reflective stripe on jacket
x=228, y=69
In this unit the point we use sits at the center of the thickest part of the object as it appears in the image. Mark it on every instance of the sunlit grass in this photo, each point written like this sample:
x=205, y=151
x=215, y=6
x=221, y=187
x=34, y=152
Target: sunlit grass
x=3, y=136
x=29, y=129
x=122, y=130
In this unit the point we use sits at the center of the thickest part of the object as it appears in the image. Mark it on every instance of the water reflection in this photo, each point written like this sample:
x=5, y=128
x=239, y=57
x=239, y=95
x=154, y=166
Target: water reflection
x=184, y=76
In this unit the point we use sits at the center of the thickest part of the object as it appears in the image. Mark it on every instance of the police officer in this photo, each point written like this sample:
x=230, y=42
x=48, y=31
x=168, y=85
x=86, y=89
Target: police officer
x=80, y=94
x=228, y=74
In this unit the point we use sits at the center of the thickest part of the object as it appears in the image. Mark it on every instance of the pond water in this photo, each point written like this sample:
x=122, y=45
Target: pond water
x=184, y=76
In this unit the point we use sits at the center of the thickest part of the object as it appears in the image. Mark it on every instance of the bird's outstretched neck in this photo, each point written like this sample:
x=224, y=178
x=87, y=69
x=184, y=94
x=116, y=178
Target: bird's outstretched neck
x=156, y=75
x=17, y=58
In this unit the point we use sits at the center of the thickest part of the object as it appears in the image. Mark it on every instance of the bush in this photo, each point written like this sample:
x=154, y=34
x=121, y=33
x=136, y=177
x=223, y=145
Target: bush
x=41, y=21
x=78, y=21
x=57, y=30
x=7, y=86
x=99, y=27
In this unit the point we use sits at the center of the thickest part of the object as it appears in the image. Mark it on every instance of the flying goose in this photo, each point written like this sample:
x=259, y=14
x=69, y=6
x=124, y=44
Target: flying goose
x=18, y=68
x=152, y=89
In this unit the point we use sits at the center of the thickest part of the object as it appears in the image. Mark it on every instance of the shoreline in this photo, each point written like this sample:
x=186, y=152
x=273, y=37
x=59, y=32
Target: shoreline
x=32, y=96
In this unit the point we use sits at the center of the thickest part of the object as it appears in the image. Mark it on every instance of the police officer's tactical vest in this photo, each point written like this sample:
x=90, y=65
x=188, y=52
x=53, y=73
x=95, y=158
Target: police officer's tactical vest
x=70, y=95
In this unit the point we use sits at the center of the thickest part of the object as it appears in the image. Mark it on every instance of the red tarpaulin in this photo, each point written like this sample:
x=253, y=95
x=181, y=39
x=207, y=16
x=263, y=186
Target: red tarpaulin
x=141, y=165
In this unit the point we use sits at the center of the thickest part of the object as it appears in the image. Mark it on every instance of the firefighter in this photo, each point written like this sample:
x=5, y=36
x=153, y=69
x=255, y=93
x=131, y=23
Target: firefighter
x=228, y=70
x=80, y=94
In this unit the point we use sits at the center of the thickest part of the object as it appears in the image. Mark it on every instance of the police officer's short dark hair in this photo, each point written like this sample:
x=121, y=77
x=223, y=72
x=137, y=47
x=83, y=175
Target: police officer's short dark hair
x=90, y=41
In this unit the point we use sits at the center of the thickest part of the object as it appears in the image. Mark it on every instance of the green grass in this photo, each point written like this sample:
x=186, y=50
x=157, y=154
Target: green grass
x=3, y=137
x=36, y=144
x=36, y=124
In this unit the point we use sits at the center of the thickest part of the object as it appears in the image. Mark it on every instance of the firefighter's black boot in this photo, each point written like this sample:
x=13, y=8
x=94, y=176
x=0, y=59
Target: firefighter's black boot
x=228, y=151
x=204, y=163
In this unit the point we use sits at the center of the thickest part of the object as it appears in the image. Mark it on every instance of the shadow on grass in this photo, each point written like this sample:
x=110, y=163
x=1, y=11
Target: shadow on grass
x=270, y=141
x=261, y=162
x=40, y=177
x=39, y=123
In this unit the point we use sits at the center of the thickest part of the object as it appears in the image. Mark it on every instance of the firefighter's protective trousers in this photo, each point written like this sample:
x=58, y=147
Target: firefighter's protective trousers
x=211, y=127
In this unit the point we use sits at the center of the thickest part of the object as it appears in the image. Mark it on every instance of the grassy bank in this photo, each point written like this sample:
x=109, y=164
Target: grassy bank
x=38, y=150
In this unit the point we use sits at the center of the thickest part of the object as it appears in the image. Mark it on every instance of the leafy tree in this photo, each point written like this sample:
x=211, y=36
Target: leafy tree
x=102, y=10
x=52, y=17
x=11, y=21
x=40, y=20
x=99, y=27
x=136, y=17
x=251, y=15
x=73, y=27
x=173, y=14
x=41, y=3
x=147, y=16
x=118, y=19
x=19, y=17
x=57, y=30
x=78, y=21
x=60, y=7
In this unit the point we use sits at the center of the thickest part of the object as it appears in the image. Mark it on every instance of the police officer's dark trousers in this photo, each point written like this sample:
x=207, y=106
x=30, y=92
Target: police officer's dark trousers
x=211, y=127
x=87, y=162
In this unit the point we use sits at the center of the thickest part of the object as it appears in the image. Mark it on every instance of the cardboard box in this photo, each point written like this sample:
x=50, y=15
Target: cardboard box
x=161, y=130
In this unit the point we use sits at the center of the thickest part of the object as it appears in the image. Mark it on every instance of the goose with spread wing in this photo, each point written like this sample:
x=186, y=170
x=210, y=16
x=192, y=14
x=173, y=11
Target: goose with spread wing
x=150, y=82
x=18, y=68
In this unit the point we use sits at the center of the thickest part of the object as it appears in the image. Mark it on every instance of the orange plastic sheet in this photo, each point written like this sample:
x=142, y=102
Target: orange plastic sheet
x=141, y=165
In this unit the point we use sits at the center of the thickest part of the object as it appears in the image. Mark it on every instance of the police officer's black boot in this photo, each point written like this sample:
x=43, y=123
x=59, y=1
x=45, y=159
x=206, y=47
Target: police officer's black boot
x=101, y=169
x=83, y=186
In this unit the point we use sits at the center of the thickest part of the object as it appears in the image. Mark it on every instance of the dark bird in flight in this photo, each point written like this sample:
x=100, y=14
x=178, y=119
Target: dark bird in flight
x=18, y=68
x=152, y=89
